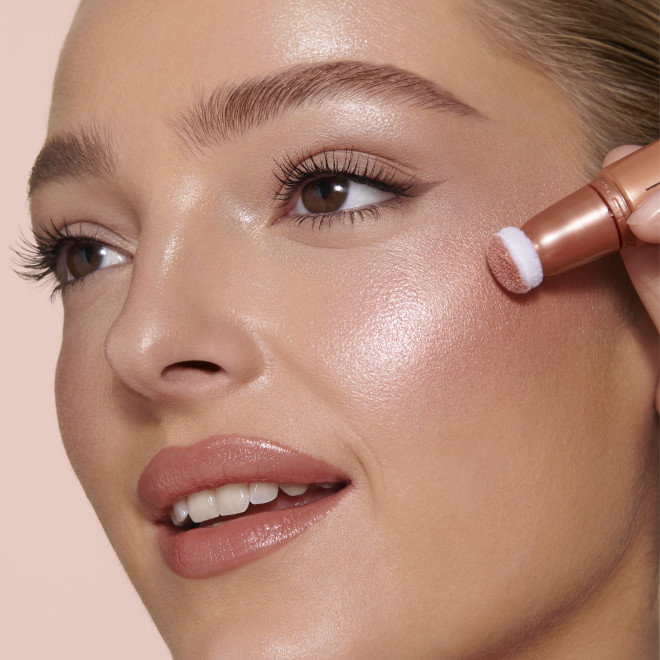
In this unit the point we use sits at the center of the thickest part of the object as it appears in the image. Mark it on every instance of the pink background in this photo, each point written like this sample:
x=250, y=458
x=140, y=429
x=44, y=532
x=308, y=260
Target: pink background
x=63, y=593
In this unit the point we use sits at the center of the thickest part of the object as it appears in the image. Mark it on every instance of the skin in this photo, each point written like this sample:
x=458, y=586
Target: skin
x=501, y=450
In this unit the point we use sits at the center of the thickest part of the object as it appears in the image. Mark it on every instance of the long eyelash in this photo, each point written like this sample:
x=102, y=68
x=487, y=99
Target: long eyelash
x=295, y=171
x=37, y=259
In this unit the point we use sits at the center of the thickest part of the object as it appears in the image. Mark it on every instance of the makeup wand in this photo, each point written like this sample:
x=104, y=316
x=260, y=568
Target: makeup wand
x=582, y=227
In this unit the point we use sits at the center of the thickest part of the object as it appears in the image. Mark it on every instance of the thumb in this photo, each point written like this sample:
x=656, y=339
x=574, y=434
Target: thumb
x=645, y=221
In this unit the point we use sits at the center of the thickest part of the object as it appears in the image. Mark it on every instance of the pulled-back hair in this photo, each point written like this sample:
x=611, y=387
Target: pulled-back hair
x=602, y=53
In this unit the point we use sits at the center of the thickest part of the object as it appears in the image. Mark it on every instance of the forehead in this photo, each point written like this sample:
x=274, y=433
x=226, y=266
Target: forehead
x=121, y=55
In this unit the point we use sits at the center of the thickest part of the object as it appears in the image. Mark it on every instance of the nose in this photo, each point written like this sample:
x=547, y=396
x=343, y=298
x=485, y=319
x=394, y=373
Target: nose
x=185, y=330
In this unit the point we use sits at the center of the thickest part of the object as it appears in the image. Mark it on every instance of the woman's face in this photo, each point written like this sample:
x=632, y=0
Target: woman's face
x=491, y=449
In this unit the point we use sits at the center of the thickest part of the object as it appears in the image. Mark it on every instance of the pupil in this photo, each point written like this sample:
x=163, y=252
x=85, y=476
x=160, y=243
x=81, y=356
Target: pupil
x=83, y=259
x=324, y=188
x=325, y=195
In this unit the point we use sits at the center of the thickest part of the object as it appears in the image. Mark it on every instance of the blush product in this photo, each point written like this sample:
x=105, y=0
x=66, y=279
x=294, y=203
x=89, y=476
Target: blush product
x=582, y=227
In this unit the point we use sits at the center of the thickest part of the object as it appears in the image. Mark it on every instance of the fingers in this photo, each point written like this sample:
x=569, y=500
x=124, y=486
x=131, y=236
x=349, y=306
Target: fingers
x=645, y=221
x=643, y=264
x=619, y=152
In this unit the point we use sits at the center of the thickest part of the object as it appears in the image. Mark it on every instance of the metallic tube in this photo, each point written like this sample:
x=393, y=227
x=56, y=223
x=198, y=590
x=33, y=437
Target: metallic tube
x=592, y=221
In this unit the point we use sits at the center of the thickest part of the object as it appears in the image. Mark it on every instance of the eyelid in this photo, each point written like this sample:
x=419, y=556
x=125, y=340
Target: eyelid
x=97, y=233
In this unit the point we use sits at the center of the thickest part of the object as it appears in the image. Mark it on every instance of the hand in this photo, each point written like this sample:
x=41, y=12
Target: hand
x=643, y=263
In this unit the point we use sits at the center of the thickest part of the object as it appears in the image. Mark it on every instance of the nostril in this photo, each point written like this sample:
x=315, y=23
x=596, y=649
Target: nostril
x=197, y=365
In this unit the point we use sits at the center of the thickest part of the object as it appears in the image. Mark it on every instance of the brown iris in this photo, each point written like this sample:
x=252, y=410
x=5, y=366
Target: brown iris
x=325, y=195
x=84, y=258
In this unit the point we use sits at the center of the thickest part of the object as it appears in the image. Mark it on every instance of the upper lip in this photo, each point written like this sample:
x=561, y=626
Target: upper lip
x=222, y=459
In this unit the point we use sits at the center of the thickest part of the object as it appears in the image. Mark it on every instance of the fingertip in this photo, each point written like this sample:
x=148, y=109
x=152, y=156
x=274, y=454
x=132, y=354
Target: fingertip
x=645, y=221
x=620, y=152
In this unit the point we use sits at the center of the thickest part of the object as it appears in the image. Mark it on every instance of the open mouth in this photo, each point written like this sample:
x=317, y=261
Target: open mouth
x=217, y=543
x=230, y=500
x=215, y=507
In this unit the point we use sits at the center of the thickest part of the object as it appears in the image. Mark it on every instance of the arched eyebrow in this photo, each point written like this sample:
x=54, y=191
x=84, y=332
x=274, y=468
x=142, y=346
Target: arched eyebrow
x=233, y=109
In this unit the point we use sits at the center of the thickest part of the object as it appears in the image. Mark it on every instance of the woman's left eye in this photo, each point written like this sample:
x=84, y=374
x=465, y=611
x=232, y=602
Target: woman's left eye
x=331, y=194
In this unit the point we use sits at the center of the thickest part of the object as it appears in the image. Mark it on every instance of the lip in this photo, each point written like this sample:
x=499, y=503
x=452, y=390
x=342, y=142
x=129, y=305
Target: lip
x=206, y=551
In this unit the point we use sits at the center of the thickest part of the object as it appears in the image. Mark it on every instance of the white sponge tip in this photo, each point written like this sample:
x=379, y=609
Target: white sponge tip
x=514, y=261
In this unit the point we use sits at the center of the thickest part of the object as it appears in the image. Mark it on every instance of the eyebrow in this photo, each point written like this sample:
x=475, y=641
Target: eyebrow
x=232, y=109
x=87, y=152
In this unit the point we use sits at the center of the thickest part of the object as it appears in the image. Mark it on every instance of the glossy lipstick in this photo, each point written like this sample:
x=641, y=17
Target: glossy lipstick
x=582, y=227
x=204, y=551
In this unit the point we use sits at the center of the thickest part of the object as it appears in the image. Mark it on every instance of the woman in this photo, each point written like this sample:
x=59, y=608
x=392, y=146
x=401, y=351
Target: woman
x=267, y=222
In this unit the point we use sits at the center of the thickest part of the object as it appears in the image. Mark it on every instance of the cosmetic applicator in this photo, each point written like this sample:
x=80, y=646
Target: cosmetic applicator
x=582, y=227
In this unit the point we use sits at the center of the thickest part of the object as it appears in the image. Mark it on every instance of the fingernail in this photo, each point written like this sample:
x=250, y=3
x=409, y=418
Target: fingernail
x=647, y=216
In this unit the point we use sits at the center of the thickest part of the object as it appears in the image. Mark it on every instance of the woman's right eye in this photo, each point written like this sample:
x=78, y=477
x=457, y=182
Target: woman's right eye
x=67, y=257
x=81, y=258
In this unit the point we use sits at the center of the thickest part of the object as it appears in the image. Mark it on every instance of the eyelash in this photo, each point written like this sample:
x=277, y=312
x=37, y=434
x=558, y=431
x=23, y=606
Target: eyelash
x=294, y=173
x=39, y=259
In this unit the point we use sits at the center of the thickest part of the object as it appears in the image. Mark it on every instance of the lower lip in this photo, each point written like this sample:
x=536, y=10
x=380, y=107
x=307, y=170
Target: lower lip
x=207, y=551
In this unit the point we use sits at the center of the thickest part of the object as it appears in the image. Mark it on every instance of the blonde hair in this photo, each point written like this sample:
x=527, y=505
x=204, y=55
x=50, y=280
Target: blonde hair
x=602, y=53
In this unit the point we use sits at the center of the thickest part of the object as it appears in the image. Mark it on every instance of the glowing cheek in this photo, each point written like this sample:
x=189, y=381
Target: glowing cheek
x=383, y=341
x=395, y=339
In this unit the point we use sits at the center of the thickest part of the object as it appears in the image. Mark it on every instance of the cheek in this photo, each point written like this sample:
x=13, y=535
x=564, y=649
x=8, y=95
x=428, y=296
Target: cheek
x=420, y=333
x=422, y=356
x=75, y=396
x=90, y=425
x=385, y=334
x=484, y=422
x=415, y=328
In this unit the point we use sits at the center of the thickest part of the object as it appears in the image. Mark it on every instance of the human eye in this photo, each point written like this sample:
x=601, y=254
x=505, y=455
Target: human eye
x=339, y=185
x=65, y=256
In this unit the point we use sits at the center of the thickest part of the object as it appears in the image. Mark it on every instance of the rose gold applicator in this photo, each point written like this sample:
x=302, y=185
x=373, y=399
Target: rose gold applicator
x=582, y=227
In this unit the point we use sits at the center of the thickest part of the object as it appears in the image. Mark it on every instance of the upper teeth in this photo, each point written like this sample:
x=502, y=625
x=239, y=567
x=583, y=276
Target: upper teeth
x=228, y=500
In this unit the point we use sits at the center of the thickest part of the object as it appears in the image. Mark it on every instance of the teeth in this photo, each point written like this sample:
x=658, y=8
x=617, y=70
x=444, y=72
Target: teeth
x=232, y=499
x=229, y=500
x=202, y=506
x=293, y=489
x=179, y=511
x=262, y=493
